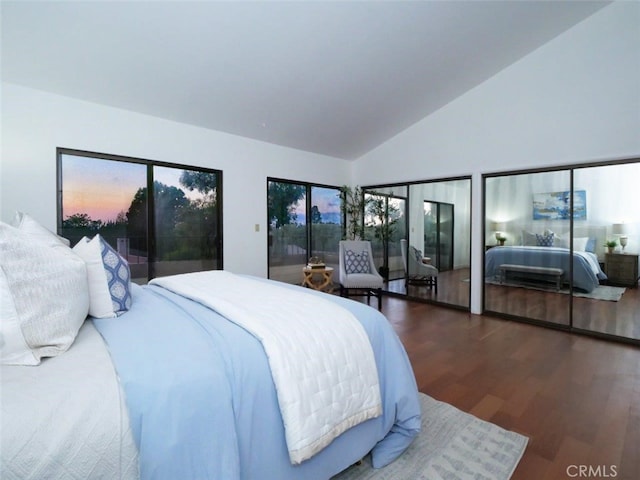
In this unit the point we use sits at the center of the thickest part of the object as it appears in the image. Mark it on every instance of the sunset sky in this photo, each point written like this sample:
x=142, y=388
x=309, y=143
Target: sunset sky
x=103, y=188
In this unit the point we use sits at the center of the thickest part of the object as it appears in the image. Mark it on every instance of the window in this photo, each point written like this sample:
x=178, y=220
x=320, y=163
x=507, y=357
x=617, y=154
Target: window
x=112, y=196
x=304, y=220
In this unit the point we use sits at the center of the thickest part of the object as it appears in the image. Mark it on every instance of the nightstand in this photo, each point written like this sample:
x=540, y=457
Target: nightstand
x=622, y=269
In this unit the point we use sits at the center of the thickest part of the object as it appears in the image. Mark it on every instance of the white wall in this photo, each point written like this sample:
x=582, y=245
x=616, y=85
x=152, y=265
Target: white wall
x=34, y=123
x=575, y=99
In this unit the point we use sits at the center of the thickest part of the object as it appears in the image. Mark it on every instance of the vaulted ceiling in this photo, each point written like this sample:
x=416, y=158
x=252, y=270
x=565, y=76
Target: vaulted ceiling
x=335, y=78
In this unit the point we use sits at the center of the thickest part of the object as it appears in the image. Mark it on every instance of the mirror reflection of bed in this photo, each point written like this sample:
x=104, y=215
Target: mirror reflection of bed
x=601, y=305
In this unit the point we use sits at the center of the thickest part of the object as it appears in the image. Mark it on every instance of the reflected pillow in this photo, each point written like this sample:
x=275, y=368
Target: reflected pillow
x=356, y=262
x=529, y=239
x=561, y=241
x=545, y=240
x=580, y=244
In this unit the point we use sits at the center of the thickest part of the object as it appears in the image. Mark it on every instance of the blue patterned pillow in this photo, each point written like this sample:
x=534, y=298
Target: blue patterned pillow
x=356, y=262
x=108, y=276
x=545, y=240
x=118, y=278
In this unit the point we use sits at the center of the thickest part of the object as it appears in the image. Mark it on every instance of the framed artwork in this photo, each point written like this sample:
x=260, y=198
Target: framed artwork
x=557, y=205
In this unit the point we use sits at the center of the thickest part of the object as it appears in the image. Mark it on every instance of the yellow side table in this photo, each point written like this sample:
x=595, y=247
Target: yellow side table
x=324, y=284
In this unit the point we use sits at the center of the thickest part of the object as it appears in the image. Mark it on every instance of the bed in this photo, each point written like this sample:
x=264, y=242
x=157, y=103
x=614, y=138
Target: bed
x=586, y=268
x=180, y=379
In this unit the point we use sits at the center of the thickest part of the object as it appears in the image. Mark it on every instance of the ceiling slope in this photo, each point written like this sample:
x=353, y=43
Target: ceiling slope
x=334, y=78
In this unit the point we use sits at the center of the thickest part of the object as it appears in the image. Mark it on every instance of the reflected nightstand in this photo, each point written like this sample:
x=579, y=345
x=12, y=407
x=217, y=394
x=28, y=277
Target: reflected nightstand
x=621, y=269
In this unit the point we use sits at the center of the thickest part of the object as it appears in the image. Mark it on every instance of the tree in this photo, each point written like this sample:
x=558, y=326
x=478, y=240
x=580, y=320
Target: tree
x=316, y=216
x=170, y=202
x=81, y=220
x=283, y=197
x=204, y=182
x=352, y=206
x=384, y=215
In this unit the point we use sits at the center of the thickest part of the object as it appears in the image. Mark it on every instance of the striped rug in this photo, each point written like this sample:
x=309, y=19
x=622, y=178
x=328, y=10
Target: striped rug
x=452, y=445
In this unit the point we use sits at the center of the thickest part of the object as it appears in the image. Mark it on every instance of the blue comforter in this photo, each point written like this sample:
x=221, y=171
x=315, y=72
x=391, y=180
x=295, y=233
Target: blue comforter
x=202, y=403
x=586, y=270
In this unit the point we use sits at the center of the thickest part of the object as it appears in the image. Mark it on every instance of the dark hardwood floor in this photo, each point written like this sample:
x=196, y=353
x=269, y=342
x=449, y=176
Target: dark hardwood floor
x=577, y=398
x=620, y=318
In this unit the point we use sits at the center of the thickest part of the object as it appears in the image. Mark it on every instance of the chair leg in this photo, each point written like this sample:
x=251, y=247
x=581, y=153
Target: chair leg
x=435, y=284
x=379, y=292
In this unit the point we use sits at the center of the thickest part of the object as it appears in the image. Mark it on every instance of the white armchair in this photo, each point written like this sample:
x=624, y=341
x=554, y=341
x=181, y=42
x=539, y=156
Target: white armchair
x=358, y=273
x=416, y=271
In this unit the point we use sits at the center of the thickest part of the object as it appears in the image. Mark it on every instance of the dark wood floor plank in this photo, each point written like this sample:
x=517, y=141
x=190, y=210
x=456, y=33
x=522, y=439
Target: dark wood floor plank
x=576, y=398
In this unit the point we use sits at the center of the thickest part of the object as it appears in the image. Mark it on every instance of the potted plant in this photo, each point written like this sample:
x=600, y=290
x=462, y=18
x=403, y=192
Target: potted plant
x=611, y=245
x=501, y=239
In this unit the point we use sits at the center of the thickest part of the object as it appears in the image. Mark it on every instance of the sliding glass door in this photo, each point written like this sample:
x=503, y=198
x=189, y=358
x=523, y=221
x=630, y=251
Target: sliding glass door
x=304, y=221
x=112, y=196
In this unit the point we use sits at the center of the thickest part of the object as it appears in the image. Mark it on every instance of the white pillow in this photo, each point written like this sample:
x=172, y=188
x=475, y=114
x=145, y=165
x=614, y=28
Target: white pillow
x=24, y=222
x=109, y=277
x=580, y=244
x=561, y=241
x=529, y=239
x=44, y=294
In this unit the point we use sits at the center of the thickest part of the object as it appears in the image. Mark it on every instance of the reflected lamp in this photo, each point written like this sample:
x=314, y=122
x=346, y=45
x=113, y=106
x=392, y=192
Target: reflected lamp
x=620, y=229
x=499, y=228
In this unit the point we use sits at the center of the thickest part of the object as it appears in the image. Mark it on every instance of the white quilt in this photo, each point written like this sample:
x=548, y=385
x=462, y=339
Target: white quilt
x=66, y=418
x=321, y=360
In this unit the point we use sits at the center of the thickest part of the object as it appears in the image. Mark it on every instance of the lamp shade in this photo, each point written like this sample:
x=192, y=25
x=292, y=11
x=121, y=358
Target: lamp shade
x=498, y=226
x=619, y=228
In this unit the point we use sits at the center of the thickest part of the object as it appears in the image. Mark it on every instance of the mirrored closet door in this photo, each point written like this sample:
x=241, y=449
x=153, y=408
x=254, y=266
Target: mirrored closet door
x=526, y=216
x=614, y=219
x=561, y=248
x=430, y=240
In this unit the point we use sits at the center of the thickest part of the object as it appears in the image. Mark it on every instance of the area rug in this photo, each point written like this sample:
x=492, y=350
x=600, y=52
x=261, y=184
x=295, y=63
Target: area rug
x=601, y=292
x=452, y=445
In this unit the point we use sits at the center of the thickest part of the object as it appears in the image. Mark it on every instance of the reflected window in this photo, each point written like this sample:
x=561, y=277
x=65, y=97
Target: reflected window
x=384, y=220
x=433, y=220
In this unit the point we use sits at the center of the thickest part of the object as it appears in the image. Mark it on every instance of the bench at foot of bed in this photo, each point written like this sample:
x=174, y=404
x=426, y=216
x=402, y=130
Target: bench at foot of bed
x=554, y=273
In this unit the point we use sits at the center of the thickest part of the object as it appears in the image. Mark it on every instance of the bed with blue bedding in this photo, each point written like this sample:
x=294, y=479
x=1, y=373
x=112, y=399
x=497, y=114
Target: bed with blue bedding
x=202, y=402
x=584, y=265
x=207, y=375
